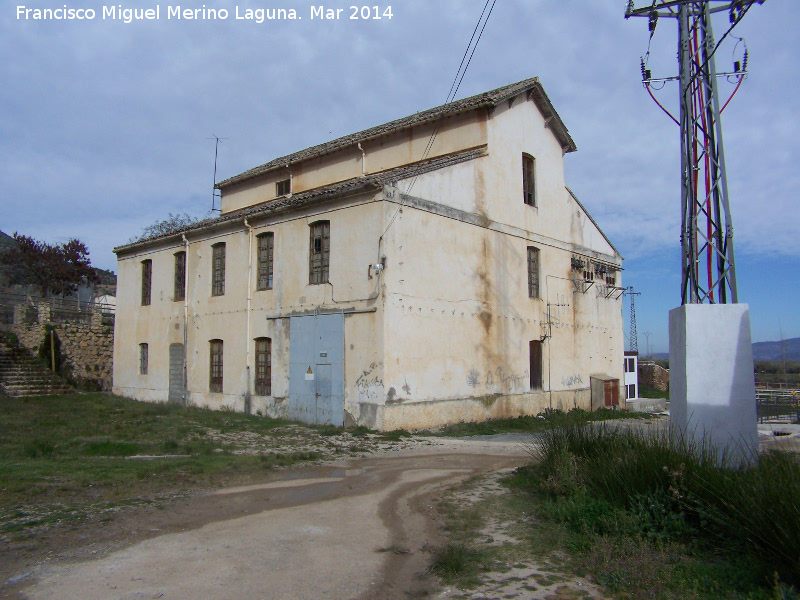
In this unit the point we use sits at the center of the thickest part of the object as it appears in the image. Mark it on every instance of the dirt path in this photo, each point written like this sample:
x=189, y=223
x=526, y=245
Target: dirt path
x=360, y=529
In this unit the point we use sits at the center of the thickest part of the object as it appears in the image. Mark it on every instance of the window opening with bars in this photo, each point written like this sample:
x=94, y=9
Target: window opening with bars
x=266, y=249
x=143, y=359
x=147, y=280
x=533, y=272
x=263, y=366
x=218, y=269
x=215, y=371
x=319, y=252
x=180, y=276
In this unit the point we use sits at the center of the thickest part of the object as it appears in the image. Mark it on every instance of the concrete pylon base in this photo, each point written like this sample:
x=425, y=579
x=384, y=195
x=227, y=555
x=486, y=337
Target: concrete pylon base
x=712, y=388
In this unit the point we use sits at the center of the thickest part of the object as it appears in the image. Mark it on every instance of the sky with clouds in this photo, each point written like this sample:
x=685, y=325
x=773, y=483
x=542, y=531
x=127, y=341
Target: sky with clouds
x=105, y=125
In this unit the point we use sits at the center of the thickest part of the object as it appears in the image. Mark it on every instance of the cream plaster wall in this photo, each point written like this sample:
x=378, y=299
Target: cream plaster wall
x=225, y=317
x=447, y=336
x=467, y=130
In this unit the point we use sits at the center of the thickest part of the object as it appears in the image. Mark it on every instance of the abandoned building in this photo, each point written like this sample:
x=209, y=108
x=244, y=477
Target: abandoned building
x=431, y=270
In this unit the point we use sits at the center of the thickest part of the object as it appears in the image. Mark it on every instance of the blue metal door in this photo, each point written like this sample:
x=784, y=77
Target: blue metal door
x=316, y=369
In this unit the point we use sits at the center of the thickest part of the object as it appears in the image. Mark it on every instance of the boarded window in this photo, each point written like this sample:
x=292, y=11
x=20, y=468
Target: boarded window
x=143, y=359
x=528, y=180
x=266, y=244
x=533, y=272
x=263, y=367
x=319, y=253
x=215, y=370
x=180, y=276
x=282, y=188
x=218, y=269
x=147, y=280
x=536, y=364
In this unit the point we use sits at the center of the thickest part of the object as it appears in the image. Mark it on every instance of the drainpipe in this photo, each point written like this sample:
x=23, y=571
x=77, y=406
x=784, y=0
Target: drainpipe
x=363, y=160
x=249, y=300
x=185, y=311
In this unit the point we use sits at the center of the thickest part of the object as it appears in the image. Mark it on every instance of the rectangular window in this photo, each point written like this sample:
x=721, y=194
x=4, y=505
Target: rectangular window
x=631, y=391
x=528, y=180
x=264, y=367
x=215, y=370
x=536, y=364
x=283, y=187
x=180, y=276
x=218, y=269
x=143, y=358
x=533, y=272
x=319, y=253
x=147, y=280
x=266, y=245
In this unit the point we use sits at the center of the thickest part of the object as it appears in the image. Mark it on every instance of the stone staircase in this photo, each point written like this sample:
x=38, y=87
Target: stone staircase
x=22, y=375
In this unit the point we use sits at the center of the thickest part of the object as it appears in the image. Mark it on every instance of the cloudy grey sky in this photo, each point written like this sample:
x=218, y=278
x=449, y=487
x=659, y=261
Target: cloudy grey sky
x=104, y=125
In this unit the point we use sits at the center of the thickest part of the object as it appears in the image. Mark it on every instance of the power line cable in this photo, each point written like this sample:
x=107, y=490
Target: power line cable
x=454, y=87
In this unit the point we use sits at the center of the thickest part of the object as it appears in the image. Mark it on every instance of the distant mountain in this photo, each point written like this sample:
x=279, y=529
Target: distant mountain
x=6, y=241
x=784, y=350
x=769, y=351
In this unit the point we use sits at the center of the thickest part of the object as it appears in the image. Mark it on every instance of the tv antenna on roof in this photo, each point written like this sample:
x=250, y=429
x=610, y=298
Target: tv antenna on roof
x=214, y=195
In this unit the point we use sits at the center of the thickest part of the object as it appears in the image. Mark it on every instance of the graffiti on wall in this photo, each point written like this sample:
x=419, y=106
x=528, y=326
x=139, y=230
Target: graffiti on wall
x=368, y=384
x=571, y=381
x=499, y=379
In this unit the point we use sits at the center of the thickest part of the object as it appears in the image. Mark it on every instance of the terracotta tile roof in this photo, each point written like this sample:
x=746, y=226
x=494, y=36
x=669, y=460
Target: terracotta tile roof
x=488, y=99
x=334, y=190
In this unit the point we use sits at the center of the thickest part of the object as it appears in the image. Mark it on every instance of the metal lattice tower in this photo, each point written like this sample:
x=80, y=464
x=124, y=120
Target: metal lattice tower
x=708, y=267
x=633, y=339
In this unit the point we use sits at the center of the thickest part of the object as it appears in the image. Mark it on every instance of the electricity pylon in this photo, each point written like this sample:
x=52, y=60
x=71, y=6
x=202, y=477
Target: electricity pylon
x=708, y=267
x=633, y=340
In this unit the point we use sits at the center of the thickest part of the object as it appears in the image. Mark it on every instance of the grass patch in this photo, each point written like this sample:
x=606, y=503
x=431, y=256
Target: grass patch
x=60, y=454
x=458, y=562
x=651, y=392
x=539, y=423
x=649, y=517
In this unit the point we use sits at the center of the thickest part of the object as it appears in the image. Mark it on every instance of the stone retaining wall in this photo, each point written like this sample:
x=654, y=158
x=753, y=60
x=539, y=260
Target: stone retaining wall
x=654, y=376
x=86, y=349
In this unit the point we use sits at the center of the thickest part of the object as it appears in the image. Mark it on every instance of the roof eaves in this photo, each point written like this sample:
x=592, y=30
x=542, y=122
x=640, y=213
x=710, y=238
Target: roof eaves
x=583, y=208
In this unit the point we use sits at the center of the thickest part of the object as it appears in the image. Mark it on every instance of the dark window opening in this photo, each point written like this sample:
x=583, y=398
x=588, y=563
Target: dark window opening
x=143, y=359
x=533, y=272
x=536, y=364
x=180, y=276
x=282, y=188
x=218, y=270
x=147, y=280
x=528, y=180
x=319, y=255
x=263, y=367
x=266, y=245
x=215, y=371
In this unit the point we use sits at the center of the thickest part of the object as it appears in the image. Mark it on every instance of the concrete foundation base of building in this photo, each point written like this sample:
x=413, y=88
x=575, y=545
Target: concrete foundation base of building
x=712, y=390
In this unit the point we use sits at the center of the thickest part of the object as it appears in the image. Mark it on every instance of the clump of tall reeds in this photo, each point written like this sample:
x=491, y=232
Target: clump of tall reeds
x=674, y=489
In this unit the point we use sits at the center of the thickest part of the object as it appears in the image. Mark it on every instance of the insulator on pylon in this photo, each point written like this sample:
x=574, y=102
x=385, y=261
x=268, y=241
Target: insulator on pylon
x=744, y=63
x=653, y=21
x=645, y=72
